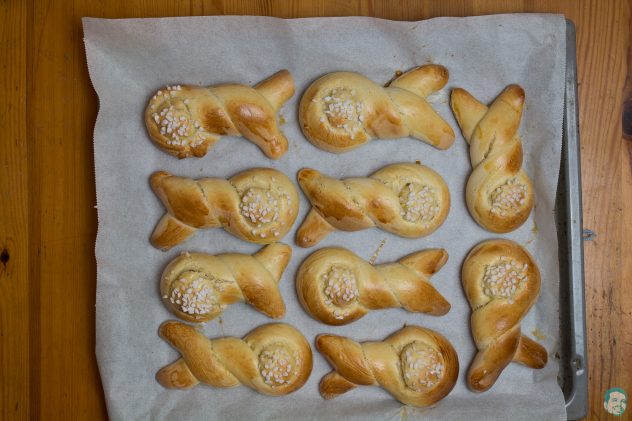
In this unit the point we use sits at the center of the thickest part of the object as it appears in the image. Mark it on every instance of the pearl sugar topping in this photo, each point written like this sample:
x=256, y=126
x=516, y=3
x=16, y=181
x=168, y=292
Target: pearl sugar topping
x=196, y=295
x=504, y=278
x=422, y=366
x=508, y=197
x=174, y=120
x=340, y=286
x=277, y=365
x=342, y=110
x=419, y=203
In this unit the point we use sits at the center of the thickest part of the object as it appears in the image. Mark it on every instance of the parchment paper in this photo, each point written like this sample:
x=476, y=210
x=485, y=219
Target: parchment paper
x=129, y=59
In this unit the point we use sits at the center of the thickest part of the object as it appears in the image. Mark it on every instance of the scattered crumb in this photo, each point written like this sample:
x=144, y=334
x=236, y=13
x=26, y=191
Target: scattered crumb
x=377, y=251
x=534, y=233
x=220, y=321
x=539, y=334
x=282, y=120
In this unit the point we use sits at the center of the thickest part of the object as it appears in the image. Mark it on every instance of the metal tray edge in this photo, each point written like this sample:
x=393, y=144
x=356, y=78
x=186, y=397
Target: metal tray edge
x=577, y=392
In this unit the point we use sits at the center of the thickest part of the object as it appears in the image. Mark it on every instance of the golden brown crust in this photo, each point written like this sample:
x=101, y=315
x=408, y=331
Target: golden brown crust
x=343, y=110
x=417, y=366
x=273, y=359
x=410, y=200
x=258, y=205
x=499, y=193
x=197, y=287
x=337, y=287
x=187, y=120
x=502, y=282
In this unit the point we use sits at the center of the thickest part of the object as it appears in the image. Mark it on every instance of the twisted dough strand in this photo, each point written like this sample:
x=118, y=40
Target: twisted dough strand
x=410, y=200
x=501, y=282
x=499, y=193
x=417, y=366
x=343, y=110
x=273, y=359
x=337, y=287
x=197, y=287
x=187, y=120
x=258, y=205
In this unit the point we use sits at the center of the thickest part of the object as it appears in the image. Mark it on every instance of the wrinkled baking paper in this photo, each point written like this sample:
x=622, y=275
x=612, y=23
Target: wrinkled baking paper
x=130, y=59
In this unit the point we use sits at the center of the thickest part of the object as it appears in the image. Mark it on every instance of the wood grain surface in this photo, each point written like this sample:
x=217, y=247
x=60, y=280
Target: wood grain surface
x=48, y=221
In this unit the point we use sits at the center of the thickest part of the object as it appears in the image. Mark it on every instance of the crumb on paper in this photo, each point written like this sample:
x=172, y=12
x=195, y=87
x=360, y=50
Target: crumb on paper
x=282, y=120
x=220, y=321
x=396, y=74
x=534, y=233
x=377, y=251
x=403, y=413
x=539, y=334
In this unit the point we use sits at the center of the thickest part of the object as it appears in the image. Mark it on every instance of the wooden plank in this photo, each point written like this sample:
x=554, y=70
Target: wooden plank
x=602, y=68
x=61, y=113
x=14, y=259
x=62, y=222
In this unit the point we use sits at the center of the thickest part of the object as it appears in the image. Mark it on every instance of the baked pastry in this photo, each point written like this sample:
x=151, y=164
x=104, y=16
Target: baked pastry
x=273, y=359
x=337, y=287
x=187, y=120
x=501, y=282
x=343, y=110
x=417, y=366
x=197, y=287
x=258, y=205
x=499, y=193
x=410, y=200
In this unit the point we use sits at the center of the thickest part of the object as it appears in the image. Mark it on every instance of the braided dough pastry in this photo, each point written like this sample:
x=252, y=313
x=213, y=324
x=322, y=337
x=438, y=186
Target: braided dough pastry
x=501, y=282
x=499, y=193
x=273, y=359
x=417, y=366
x=197, y=287
x=410, y=200
x=187, y=120
x=337, y=287
x=343, y=110
x=258, y=205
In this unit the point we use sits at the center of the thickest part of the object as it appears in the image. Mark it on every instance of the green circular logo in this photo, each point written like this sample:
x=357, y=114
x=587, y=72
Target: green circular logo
x=615, y=401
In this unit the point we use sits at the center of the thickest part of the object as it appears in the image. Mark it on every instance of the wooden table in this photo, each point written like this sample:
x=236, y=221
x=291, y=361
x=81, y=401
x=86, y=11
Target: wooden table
x=48, y=222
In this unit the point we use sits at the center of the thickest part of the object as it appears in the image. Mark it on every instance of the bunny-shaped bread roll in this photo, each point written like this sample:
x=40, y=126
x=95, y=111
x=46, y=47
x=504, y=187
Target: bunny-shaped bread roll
x=197, y=287
x=501, y=282
x=187, y=120
x=273, y=359
x=343, y=110
x=417, y=366
x=410, y=200
x=499, y=193
x=258, y=205
x=337, y=287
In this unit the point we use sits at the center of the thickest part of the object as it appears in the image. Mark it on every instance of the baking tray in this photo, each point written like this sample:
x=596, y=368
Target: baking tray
x=573, y=375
